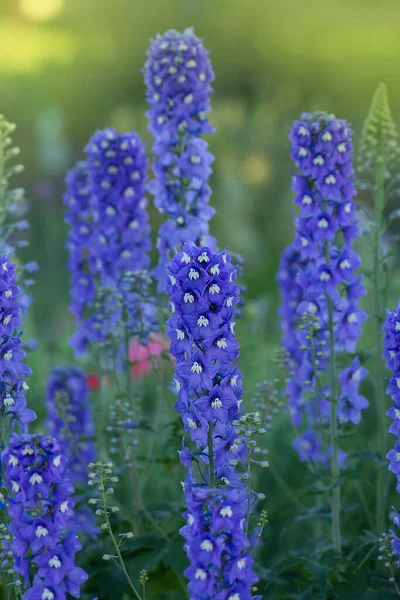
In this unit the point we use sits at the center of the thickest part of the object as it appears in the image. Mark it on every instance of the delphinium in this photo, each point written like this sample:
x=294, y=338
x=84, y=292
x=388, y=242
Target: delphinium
x=41, y=509
x=109, y=242
x=70, y=420
x=178, y=76
x=391, y=353
x=13, y=371
x=378, y=163
x=321, y=314
x=203, y=294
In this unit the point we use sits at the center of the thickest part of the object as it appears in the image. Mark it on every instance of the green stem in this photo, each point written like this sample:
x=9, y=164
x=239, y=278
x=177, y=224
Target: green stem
x=337, y=543
x=115, y=543
x=211, y=455
x=380, y=392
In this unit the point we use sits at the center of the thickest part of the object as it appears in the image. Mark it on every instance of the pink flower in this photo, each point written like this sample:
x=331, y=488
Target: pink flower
x=142, y=357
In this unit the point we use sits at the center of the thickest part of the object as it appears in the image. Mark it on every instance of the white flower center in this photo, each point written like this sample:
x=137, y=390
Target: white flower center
x=302, y=131
x=214, y=270
x=327, y=136
x=188, y=298
x=191, y=423
x=203, y=257
x=8, y=400
x=324, y=276
x=214, y=289
x=13, y=460
x=222, y=343
x=185, y=258
x=180, y=334
x=193, y=274
x=216, y=403
x=323, y=223
x=41, y=531
x=304, y=241
x=241, y=564
x=307, y=200
x=319, y=160
x=8, y=355
x=196, y=368
x=206, y=545
x=345, y=264
x=352, y=318
x=342, y=147
x=55, y=562
x=47, y=595
x=35, y=478
x=303, y=152
x=226, y=511
x=202, y=321
x=8, y=293
x=200, y=574
x=15, y=486
x=397, y=328
x=330, y=180
x=64, y=506
x=27, y=451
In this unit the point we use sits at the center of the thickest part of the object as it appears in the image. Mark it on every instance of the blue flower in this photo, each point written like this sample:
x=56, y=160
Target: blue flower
x=321, y=263
x=41, y=510
x=203, y=299
x=13, y=372
x=70, y=421
x=178, y=76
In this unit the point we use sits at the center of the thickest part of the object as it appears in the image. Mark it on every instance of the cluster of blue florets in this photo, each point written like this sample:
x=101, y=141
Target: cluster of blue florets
x=70, y=421
x=41, y=508
x=203, y=294
x=322, y=263
x=109, y=239
x=178, y=76
x=13, y=372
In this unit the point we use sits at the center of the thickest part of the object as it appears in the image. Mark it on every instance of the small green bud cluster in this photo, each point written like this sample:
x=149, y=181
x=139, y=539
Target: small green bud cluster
x=8, y=198
x=387, y=555
x=247, y=428
x=122, y=430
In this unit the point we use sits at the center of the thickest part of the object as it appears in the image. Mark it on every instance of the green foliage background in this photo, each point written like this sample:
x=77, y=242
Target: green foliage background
x=61, y=79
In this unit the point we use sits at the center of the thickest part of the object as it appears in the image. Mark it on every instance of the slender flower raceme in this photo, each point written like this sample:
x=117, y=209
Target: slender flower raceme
x=178, y=75
x=391, y=353
x=70, y=421
x=13, y=372
x=41, y=511
x=203, y=294
x=327, y=290
x=109, y=242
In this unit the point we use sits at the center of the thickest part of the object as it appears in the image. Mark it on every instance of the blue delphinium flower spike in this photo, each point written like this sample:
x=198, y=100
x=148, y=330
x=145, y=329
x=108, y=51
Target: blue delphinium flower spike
x=320, y=264
x=41, y=510
x=109, y=241
x=203, y=295
x=178, y=76
x=70, y=421
x=13, y=372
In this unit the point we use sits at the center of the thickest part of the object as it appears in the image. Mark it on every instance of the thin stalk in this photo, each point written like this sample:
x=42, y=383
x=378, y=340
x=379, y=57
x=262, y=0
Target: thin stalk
x=380, y=392
x=335, y=470
x=114, y=541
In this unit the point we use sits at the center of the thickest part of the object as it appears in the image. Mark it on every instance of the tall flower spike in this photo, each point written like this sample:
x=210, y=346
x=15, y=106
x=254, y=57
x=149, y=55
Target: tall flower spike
x=109, y=242
x=178, y=76
x=13, y=372
x=320, y=290
x=70, y=421
x=203, y=295
x=391, y=353
x=379, y=141
x=41, y=510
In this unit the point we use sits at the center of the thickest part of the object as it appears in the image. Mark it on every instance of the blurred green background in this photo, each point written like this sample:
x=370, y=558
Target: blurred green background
x=68, y=67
